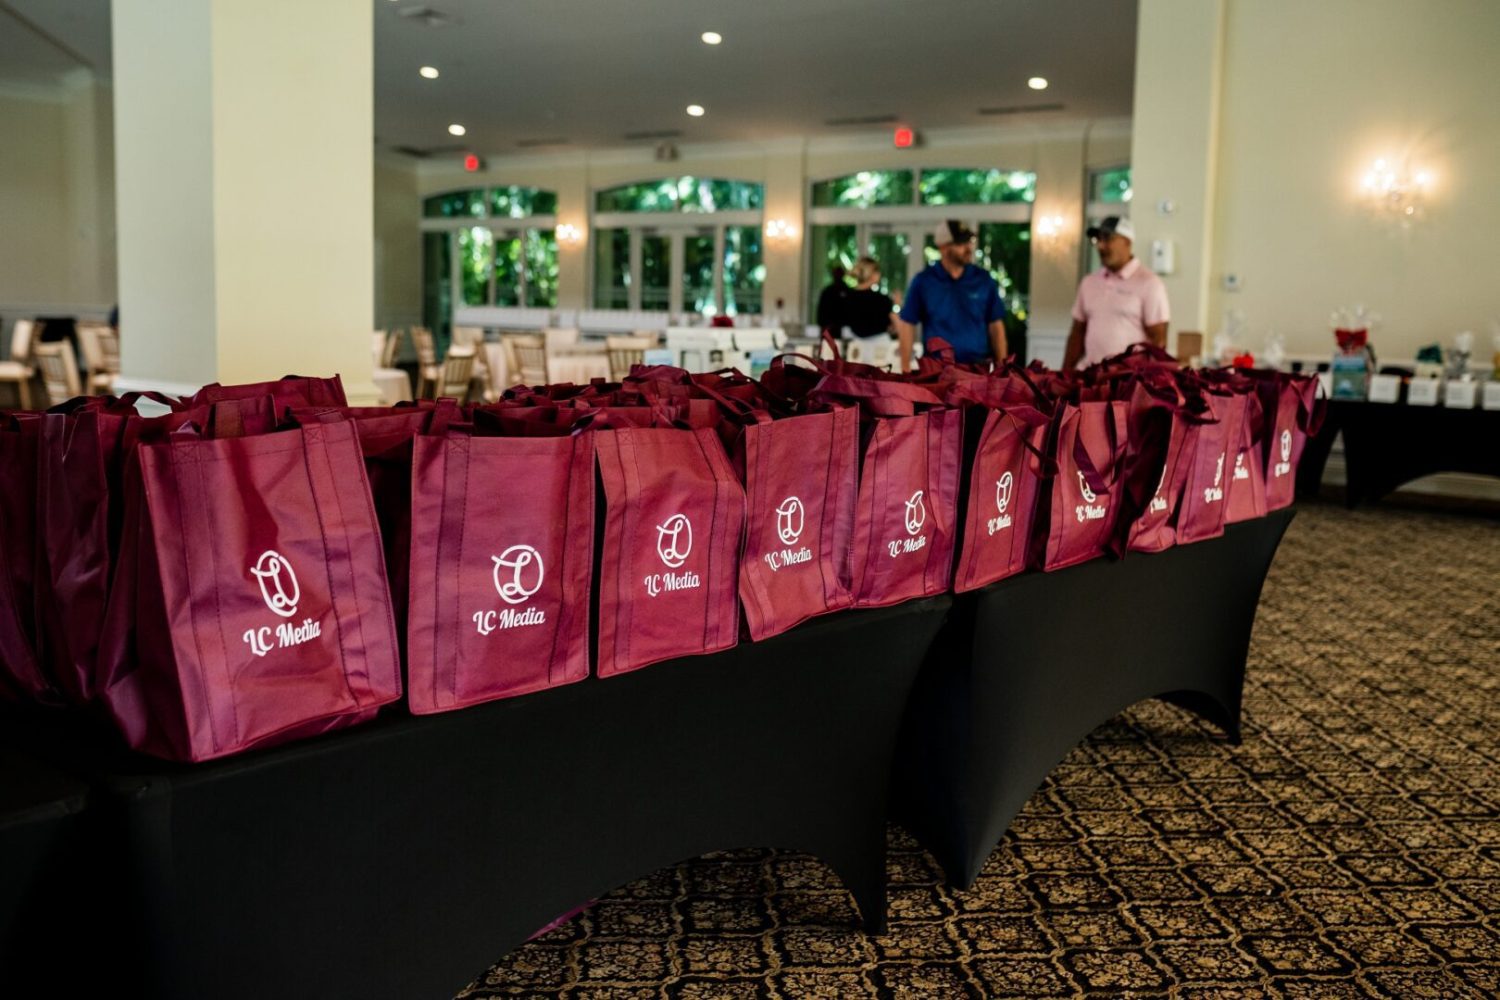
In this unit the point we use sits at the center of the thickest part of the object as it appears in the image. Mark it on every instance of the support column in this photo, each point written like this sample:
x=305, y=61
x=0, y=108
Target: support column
x=244, y=183
x=1174, y=150
x=1054, y=258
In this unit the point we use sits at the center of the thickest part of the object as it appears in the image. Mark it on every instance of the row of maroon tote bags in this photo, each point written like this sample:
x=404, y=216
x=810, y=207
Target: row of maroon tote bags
x=250, y=567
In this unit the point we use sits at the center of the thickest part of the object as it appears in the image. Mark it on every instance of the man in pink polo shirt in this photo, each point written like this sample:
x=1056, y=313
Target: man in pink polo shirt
x=1120, y=304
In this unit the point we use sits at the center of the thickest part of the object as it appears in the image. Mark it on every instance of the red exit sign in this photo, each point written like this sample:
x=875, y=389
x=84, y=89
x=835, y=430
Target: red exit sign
x=905, y=138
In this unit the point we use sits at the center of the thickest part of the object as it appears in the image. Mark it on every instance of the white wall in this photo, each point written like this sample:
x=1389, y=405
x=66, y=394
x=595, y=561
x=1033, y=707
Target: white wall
x=398, y=245
x=57, y=199
x=1311, y=95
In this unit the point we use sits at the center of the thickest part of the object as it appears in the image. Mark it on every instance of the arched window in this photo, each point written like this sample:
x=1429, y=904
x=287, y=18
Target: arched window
x=890, y=215
x=493, y=246
x=679, y=244
x=1109, y=194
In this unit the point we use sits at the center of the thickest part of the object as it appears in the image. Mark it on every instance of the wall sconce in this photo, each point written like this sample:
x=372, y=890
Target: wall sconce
x=1396, y=194
x=1049, y=228
x=569, y=233
x=779, y=229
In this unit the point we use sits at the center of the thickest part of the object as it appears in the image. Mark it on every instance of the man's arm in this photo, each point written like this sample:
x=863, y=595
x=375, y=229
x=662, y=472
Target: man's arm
x=997, y=341
x=1074, y=350
x=1157, y=334
x=906, y=333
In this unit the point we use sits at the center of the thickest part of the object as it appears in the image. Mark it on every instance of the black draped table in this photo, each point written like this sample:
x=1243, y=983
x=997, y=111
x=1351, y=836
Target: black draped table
x=41, y=845
x=1387, y=445
x=1028, y=667
x=400, y=858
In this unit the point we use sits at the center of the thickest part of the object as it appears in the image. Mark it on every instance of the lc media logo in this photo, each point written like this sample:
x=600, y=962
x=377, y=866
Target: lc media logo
x=1004, y=489
x=518, y=574
x=674, y=543
x=281, y=592
x=1285, y=465
x=1088, y=510
x=1159, y=502
x=914, y=517
x=1215, y=493
x=791, y=518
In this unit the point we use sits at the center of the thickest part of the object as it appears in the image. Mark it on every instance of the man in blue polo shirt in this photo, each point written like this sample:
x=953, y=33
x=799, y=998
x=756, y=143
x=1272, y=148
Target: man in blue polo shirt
x=954, y=300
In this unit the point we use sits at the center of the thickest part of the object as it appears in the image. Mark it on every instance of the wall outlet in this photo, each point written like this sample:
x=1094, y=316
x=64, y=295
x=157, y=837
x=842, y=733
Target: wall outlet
x=1231, y=282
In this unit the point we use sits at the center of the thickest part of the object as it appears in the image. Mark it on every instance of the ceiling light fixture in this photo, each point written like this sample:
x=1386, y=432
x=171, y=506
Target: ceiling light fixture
x=712, y=38
x=696, y=110
x=428, y=72
x=1037, y=83
x=456, y=129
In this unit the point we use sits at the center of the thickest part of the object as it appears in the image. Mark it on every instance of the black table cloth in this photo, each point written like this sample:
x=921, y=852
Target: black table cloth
x=1028, y=667
x=401, y=858
x=41, y=850
x=1387, y=445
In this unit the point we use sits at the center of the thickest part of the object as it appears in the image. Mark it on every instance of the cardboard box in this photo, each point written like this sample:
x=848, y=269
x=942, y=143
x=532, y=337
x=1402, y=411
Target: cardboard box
x=1461, y=394
x=1424, y=391
x=1385, y=388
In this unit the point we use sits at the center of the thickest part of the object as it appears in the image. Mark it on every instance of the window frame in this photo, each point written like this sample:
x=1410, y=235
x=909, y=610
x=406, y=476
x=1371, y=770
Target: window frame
x=501, y=227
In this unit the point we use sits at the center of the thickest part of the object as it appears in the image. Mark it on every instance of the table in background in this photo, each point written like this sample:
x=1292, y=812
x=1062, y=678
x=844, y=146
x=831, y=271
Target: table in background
x=400, y=858
x=1028, y=667
x=1387, y=445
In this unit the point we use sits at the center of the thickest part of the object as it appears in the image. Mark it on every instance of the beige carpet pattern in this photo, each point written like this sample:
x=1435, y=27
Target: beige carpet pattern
x=1350, y=848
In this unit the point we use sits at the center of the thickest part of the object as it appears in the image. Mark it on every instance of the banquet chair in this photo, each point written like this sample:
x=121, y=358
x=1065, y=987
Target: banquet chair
x=457, y=373
x=59, y=368
x=473, y=336
x=626, y=351
x=101, y=374
x=18, y=371
x=526, y=357
x=428, y=369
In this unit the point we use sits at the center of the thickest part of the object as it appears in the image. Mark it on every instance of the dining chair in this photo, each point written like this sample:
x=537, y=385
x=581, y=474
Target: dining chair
x=473, y=336
x=457, y=373
x=100, y=377
x=626, y=351
x=18, y=370
x=526, y=356
x=428, y=369
x=59, y=369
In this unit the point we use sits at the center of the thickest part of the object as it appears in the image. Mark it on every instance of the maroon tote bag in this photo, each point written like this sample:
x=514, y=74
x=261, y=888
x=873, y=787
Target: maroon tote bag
x=1247, y=480
x=1085, y=504
x=22, y=672
x=502, y=547
x=1209, y=453
x=1293, y=411
x=801, y=484
x=1004, y=485
x=250, y=605
x=668, y=563
x=906, y=517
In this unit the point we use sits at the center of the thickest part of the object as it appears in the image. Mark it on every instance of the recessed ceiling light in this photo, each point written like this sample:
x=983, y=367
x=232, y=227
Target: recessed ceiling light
x=456, y=129
x=712, y=38
x=1037, y=83
x=696, y=110
x=429, y=72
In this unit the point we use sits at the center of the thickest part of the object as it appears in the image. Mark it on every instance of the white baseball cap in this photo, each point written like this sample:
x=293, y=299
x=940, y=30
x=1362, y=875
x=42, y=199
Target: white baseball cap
x=1113, y=225
x=951, y=231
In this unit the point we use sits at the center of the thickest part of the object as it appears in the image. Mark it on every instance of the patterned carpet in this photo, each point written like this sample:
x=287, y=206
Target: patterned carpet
x=1349, y=848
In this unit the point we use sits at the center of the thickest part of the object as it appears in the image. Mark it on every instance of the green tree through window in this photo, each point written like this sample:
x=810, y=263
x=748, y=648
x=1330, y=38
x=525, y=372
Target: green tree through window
x=681, y=194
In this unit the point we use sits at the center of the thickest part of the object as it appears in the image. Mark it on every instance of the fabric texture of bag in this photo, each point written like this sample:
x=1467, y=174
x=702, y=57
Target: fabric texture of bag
x=1209, y=452
x=23, y=676
x=669, y=558
x=250, y=604
x=502, y=548
x=1088, y=443
x=1005, y=482
x=801, y=483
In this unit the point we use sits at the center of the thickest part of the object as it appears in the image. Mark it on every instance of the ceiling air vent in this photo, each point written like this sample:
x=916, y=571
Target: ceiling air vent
x=533, y=143
x=421, y=153
x=1020, y=109
x=429, y=16
x=665, y=133
x=862, y=120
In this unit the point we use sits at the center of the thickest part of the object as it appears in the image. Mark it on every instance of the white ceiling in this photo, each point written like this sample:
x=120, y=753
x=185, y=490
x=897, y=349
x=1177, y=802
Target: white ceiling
x=521, y=74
